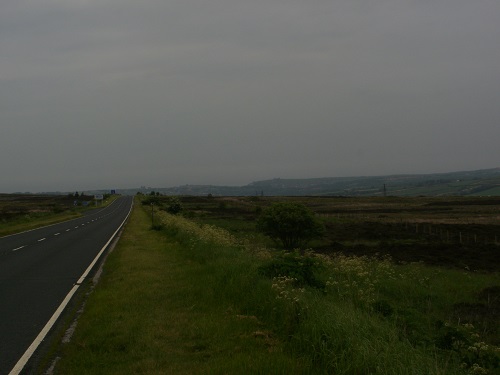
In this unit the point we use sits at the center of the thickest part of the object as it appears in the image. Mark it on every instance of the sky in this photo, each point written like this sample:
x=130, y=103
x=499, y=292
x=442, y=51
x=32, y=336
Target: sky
x=98, y=94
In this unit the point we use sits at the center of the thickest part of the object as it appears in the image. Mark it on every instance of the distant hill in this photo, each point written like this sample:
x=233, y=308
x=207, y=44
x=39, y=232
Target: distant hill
x=485, y=182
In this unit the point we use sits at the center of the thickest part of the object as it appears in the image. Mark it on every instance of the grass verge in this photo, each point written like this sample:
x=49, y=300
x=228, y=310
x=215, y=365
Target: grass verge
x=192, y=299
x=157, y=311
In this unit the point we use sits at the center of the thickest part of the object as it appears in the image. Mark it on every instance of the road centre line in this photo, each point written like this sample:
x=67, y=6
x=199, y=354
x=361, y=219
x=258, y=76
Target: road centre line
x=43, y=333
x=46, y=226
x=44, y=238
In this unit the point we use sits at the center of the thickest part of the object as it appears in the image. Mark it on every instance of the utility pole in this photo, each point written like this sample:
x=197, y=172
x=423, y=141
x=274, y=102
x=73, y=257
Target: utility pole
x=152, y=215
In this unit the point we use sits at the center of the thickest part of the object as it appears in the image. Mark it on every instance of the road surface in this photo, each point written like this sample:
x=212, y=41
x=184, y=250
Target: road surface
x=39, y=268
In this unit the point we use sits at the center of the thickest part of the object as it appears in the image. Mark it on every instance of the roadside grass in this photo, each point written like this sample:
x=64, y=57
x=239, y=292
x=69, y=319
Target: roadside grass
x=158, y=310
x=190, y=298
x=34, y=220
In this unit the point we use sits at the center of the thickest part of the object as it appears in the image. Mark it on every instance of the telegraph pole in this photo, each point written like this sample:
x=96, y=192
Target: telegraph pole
x=152, y=215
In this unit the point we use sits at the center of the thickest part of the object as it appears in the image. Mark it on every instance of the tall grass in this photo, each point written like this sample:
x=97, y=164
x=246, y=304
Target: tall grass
x=194, y=299
x=371, y=316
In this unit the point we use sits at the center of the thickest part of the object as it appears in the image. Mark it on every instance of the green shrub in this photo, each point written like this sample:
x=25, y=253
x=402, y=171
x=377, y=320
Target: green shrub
x=291, y=224
x=475, y=355
x=174, y=206
x=151, y=199
x=301, y=268
x=382, y=307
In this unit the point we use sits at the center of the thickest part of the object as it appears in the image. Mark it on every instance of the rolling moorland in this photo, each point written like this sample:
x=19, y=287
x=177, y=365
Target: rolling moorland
x=440, y=231
x=484, y=182
x=19, y=212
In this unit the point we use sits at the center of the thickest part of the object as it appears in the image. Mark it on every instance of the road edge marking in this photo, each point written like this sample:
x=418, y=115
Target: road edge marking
x=18, y=367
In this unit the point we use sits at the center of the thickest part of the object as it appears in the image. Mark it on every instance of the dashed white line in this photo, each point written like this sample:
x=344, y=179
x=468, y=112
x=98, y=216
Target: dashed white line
x=67, y=230
x=18, y=248
x=57, y=234
x=43, y=333
x=41, y=239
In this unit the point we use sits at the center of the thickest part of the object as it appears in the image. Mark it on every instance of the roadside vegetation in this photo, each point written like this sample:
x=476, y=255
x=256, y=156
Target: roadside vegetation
x=169, y=302
x=203, y=291
x=21, y=212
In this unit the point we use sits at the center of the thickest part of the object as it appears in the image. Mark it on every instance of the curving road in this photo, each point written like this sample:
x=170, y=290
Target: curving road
x=39, y=268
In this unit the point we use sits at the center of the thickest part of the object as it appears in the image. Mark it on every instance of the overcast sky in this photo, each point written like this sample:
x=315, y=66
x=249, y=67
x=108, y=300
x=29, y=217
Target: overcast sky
x=123, y=93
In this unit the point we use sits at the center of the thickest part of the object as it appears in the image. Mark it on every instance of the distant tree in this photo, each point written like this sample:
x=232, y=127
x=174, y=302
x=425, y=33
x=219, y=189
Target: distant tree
x=76, y=195
x=151, y=199
x=291, y=224
x=174, y=206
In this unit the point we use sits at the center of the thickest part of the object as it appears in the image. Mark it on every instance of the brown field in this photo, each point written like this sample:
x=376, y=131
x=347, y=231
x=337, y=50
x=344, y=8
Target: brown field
x=13, y=205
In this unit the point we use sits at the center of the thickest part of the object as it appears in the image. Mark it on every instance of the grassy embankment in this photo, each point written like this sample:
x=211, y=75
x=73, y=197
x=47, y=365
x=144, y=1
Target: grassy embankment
x=191, y=299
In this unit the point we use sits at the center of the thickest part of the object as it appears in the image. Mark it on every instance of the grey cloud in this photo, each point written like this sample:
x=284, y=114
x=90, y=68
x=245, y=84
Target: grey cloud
x=128, y=93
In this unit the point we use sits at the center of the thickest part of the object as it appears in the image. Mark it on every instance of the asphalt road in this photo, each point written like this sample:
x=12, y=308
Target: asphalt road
x=38, y=269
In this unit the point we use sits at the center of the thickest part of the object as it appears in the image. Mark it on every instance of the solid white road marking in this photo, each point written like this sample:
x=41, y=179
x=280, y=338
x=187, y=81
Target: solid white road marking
x=29, y=352
x=41, y=336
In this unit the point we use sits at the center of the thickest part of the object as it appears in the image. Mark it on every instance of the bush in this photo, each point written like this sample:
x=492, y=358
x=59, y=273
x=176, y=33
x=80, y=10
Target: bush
x=151, y=199
x=293, y=265
x=174, y=206
x=292, y=224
